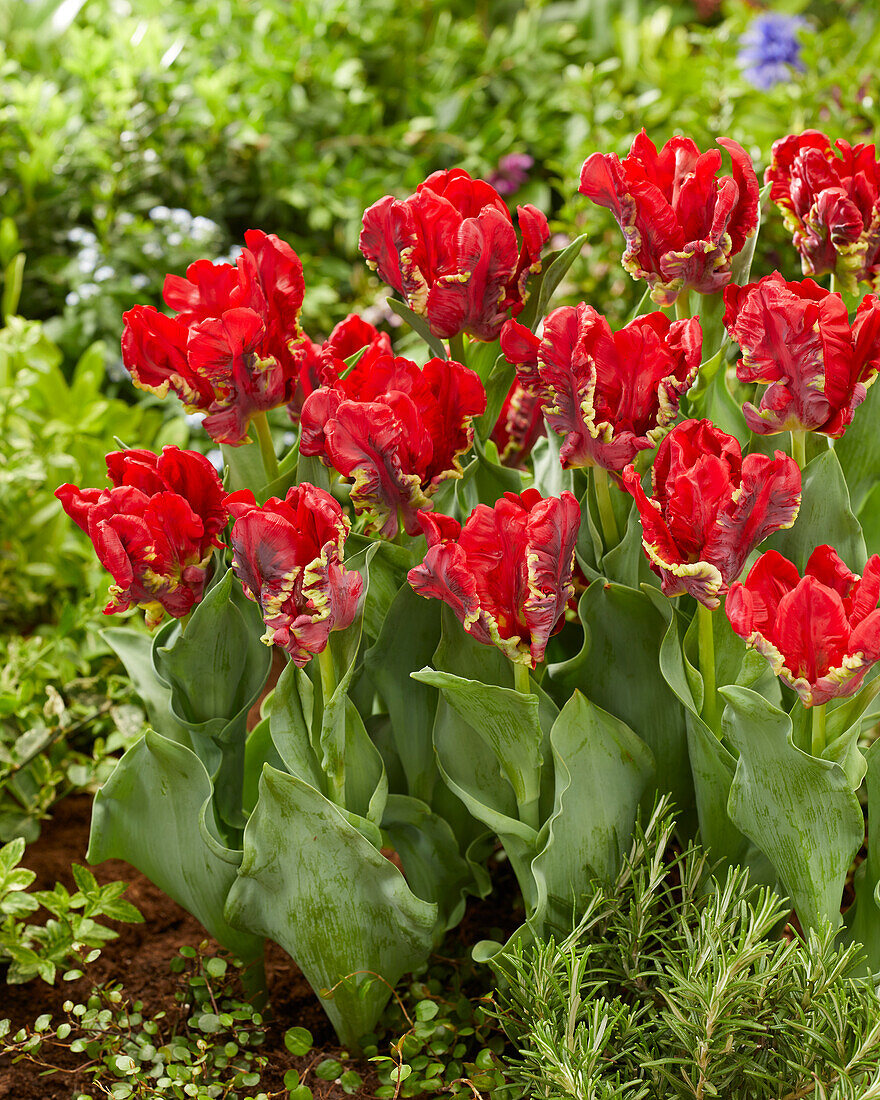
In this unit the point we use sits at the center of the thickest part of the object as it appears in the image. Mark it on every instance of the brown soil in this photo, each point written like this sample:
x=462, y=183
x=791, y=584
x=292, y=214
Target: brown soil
x=139, y=959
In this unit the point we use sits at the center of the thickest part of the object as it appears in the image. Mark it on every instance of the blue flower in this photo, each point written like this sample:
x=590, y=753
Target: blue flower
x=771, y=49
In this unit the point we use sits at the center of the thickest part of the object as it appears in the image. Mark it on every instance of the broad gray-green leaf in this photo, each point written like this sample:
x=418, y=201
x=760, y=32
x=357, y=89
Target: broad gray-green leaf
x=434, y=867
x=497, y=384
x=312, y=883
x=289, y=725
x=602, y=770
x=218, y=665
x=622, y=621
x=406, y=643
x=485, y=480
x=859, y=449
x=544, y=285
x=863, y=917
x=472, y=772
x=507, y=720
x=712, y=764
x=388, y=567
x=244, y=467
x=800, y=811
x=153, y=812
x=134, y=649
x=825, y=517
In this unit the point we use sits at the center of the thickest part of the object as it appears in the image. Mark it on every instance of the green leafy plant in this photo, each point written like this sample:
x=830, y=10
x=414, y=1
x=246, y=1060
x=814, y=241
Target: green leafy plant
x=72, y=935
x=207, y=1047
x=677, y=984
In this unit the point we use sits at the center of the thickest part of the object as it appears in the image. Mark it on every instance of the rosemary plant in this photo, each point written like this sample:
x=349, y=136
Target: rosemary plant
x=674, y=984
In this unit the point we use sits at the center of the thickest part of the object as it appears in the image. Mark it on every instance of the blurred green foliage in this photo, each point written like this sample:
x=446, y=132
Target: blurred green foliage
x=295, y=117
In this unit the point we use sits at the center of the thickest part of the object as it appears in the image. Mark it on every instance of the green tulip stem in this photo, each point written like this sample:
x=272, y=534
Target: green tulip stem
x=817, y=746
x=267, y=447
x=799, y=448
x=606, y=511
x=328, y=674
x=683, y=305
x=834, y=284
x=706, y=639
x=521, y=678
x=529, y=811
x=328, y=686
x=456, y=349
x=183, y=620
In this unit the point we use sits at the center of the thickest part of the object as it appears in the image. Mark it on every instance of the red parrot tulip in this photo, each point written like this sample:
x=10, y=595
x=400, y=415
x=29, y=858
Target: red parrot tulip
x=711, y=507
x=288, y=557
x=820, y=632
x=610, y=394
x=228, y=351
x=682, y=223
x=396, y=430
x=451, y=251
x=155, y=530
x=797, y=337
x=830, y=200
x=507, y=574
x=350, y=336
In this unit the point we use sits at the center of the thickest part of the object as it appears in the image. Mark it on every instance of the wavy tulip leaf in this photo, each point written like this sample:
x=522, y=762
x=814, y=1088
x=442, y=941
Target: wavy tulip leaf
x=218, y=666
x=472, y=771
x=434, y=867
x=388, y=567
x=799, y=810
x=216, y=670
x=497, y=385
x=311, y=470
x=619, y=620
x=602, y=770
x=712, y=764
x=863, y=917
x=312, y=883
x=506, y=720
x=406, y=643
x=359, y=783
x=485, y=480
x=290, y=726
x=825, y=517
x=154, y=812
x=134, y=649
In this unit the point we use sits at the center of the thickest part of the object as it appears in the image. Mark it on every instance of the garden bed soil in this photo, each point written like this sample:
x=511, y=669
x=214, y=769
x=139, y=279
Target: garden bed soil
x=139, y=959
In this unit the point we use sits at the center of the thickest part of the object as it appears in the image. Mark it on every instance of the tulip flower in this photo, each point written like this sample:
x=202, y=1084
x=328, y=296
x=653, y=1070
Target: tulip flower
x=820, y=632
x=396, y=430
x=350, y=336
x=610, y=394
x=288, y=557
x=797, y=337
x=507, y=574
x=519, y=425
x=682, y=223
x=154, y=530
x=830, y=201
x=710, y=508
x=227, y=351
x=451, y=251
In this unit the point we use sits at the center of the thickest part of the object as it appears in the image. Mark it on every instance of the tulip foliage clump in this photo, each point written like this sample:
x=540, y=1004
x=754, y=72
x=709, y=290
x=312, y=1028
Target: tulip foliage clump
x=509, y=591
